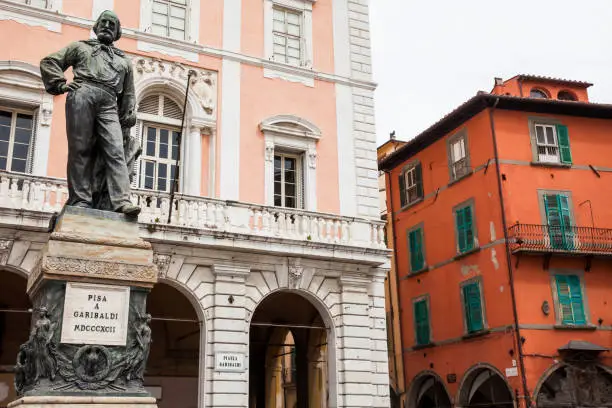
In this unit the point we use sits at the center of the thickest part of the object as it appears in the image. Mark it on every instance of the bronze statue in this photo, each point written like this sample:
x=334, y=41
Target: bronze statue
x=99, y=113
x=139, y=352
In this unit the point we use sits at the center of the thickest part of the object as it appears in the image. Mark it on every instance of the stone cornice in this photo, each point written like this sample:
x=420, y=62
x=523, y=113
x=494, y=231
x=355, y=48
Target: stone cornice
x=132, y=33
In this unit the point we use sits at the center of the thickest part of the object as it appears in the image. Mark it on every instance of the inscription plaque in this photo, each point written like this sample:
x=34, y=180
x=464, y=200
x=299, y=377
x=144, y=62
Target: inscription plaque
x=229, y=362
x=95, y=314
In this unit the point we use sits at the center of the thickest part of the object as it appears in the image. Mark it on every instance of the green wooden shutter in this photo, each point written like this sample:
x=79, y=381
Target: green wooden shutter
x=421, y=320
x=565, y=301
x=576, y=299
x=402, y=189
x=417, y=261
x=473, y=307
x=564, y=146
x=418, y=173
x=465, y=229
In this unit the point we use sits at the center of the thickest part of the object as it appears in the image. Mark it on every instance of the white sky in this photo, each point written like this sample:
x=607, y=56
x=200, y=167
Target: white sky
x=430, y=56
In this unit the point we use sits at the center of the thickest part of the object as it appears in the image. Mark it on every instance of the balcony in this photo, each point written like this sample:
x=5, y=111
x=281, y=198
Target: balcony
x=29, y=201
x=548, y=240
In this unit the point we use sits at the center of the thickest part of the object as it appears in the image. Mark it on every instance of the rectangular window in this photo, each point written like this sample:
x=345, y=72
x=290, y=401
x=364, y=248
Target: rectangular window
x=288, y=36
x=170, y=18
x=458, y=157
x=559, y=221
x=421, y=322
x=37, y=3
x=411, y=184
x=159, y=158
x=464, y=223
x=571, y=305
x=417, y=253
x=16, y=140
x=288, y=181
x=552, y=143
x=472, y=304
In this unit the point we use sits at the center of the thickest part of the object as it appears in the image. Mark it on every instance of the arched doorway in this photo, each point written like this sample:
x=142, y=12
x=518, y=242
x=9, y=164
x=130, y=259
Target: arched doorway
x=485, y=387
x=172, y=374
x=428, y=391
x=579, y=384
x=288, y=354
x=14, y=329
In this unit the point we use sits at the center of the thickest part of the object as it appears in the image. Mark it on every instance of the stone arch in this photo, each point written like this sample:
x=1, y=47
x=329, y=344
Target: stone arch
x=190, y=295
x=554, y=388
x=323, y=310
x=416, y=388
x=475, y=377
x=22, y=85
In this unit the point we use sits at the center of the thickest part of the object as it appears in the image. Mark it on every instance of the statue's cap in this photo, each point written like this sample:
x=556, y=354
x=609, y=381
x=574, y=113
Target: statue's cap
x=108, y=13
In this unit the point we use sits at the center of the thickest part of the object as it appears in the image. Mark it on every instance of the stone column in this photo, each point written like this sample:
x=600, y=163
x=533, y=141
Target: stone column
x=90, y=334
x=229, y=337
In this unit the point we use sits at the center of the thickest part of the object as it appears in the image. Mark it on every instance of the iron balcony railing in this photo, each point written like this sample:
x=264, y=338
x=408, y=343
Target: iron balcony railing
x=561, y=239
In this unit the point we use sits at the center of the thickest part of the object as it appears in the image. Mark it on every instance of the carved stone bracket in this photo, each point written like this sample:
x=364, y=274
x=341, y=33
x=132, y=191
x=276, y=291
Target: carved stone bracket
x=163, y=263
x=296, y=270
x=5, y=251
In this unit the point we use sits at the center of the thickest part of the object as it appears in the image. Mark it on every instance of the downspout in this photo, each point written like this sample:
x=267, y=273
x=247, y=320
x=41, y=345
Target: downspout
x=519, y=342
x=391, y=213
x=392, y=325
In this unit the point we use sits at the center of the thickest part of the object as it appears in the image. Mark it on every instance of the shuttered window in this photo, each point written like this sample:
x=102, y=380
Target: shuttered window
x=458, y=157
x=411, y=184
x=465, y=229
x=417, y=253
x=571, y=304
x=472, y=303
x=552, y=142
x=559, y=220
x=421, y=322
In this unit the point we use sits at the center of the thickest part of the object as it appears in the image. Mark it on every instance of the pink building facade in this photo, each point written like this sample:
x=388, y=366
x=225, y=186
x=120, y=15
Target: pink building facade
x=278, y=192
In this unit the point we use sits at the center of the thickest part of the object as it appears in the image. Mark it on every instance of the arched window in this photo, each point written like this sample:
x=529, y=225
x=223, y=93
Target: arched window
x=566, y=96
x=538, y=93
x=160, y=120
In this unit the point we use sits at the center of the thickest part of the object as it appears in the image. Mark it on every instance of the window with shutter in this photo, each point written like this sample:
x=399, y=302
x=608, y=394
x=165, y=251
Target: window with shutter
x=411, y=184
x=570, y=302
x=458, y=156
x=552, y=143
x=421, y=322
x=465, y=229
x=417, y=254
x=559, y=221
x=472, y=304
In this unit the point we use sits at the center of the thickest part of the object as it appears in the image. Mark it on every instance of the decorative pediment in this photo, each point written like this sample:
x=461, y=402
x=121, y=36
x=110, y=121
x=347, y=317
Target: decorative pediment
x=150, y=72
x=291, y=125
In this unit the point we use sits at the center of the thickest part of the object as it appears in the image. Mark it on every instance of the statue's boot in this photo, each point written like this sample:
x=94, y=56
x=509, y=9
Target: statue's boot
x=129, y=209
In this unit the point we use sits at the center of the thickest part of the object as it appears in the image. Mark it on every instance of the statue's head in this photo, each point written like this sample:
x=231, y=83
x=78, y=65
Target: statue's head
x=107, y=27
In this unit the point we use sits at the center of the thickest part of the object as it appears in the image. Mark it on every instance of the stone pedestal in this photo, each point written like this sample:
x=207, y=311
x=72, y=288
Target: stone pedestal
x=84, y=402
x=90, y=334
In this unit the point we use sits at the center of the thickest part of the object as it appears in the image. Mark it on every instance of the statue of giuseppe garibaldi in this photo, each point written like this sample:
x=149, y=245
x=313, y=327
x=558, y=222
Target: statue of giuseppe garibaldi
x=99, y=113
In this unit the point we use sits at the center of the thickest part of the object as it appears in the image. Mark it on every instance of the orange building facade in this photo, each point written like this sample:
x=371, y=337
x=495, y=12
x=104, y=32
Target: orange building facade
x=502, y=232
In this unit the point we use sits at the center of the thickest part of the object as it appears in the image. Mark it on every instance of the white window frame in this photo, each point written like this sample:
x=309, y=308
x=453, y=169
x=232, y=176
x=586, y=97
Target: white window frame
x=169, y=162
x=546, y=157
x=455, y=162
x=169, y=4
x=171, y=46
x=299, y=178
x=9, y=156
x=288, y=36
x=284, y=70
x=21, y=87
x=292, y=135
x=411, y=189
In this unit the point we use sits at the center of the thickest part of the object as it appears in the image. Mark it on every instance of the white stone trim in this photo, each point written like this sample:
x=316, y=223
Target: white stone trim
x=32, y=16
x=347, y=177
x=21, y=10
x=232, y=24
x=26, y=88
x=166, y=50
x=229, y=140
x=192, y=29
x=279, y=136
x=99, y=6
x=342, y=55
x=278, y=69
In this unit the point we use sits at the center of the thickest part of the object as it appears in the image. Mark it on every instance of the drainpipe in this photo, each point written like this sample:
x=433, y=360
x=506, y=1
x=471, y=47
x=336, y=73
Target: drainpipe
x=391, y=213
x=519, y=342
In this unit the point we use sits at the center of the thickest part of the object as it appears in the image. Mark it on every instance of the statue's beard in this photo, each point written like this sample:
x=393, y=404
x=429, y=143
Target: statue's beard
x=105, y=37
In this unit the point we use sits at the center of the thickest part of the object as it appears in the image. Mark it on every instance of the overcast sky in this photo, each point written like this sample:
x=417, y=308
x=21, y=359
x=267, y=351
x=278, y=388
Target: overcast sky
x=432, y=55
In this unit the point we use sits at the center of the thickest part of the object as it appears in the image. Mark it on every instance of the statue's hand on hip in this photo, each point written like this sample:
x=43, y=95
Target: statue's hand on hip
x=73, y=86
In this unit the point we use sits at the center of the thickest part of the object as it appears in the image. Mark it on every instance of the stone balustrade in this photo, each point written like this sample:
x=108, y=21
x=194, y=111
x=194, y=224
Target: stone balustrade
x=46, y=194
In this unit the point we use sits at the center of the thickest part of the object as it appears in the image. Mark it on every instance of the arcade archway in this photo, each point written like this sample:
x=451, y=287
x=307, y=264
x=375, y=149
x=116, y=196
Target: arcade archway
x=579, y=384
x=484, y=387
x=428, y=391
x=14, y=329
x=288, y=356
x=172, y=373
